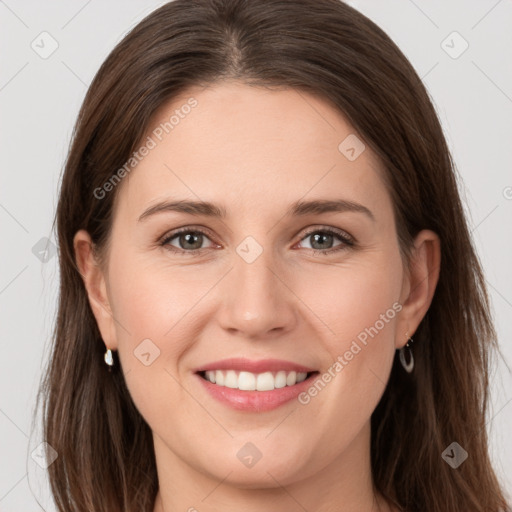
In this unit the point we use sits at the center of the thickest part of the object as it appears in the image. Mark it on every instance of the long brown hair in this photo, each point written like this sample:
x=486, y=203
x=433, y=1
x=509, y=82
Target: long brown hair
x=324, y=47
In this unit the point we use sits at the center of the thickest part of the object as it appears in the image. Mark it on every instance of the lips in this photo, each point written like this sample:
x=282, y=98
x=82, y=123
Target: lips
x=248, y=365
x=255, y=386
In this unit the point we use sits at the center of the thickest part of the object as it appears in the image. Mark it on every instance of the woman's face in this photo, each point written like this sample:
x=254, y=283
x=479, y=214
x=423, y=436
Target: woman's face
x=319, y=289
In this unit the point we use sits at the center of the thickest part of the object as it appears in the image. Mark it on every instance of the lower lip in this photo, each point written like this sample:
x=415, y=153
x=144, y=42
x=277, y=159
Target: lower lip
x=255, y=401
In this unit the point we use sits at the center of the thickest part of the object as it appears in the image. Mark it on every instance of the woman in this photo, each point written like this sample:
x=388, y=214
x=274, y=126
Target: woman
x=248, y=371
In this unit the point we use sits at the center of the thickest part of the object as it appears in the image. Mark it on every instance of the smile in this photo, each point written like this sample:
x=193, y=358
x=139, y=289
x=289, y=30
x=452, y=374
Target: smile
x=248, y=381
x=254, y=385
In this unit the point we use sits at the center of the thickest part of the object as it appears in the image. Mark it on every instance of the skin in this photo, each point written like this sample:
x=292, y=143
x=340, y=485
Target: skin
x=255, y=151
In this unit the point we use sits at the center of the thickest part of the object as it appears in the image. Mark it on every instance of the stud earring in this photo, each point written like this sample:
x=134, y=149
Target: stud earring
x=109, y=359
x=408, y=366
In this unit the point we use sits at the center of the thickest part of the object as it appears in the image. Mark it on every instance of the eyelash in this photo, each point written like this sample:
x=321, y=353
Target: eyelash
x=347, y=241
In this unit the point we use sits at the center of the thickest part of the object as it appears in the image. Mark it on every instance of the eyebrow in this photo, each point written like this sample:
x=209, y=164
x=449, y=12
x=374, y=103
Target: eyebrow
x=298, y=208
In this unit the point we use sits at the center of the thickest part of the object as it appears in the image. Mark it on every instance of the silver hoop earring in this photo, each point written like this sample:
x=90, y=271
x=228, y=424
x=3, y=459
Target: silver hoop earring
x=408, y=366
x=109, y=358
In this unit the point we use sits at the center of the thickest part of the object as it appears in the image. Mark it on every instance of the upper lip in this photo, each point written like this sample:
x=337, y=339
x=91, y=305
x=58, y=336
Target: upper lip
x=254, y=366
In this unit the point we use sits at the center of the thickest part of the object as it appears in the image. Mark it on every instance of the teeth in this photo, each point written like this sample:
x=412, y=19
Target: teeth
x=291, y=378
x=247, y=381
x=266, y=382
x=231, y=380
x=280, y=380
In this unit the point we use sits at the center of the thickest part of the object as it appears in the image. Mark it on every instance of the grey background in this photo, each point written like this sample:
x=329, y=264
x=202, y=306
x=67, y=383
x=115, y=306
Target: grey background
x=39, y=101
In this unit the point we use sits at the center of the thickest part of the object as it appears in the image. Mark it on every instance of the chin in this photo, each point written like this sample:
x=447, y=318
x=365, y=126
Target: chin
x=269, y=471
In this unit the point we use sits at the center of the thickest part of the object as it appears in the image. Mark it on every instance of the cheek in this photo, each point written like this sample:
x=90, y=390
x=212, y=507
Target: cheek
x=152, y=299
x=147, y=320
x=358, y=306
x=356, y=301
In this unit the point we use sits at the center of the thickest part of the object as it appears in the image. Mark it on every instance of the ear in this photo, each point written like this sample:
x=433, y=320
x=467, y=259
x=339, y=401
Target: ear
x=96, y=286
x=419, y=284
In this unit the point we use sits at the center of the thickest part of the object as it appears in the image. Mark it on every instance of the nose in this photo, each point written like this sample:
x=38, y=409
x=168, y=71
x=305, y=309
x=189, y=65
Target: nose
x=257, y=301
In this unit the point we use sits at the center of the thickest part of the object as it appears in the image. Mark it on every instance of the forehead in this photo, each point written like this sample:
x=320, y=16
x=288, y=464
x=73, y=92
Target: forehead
x=249, y=147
